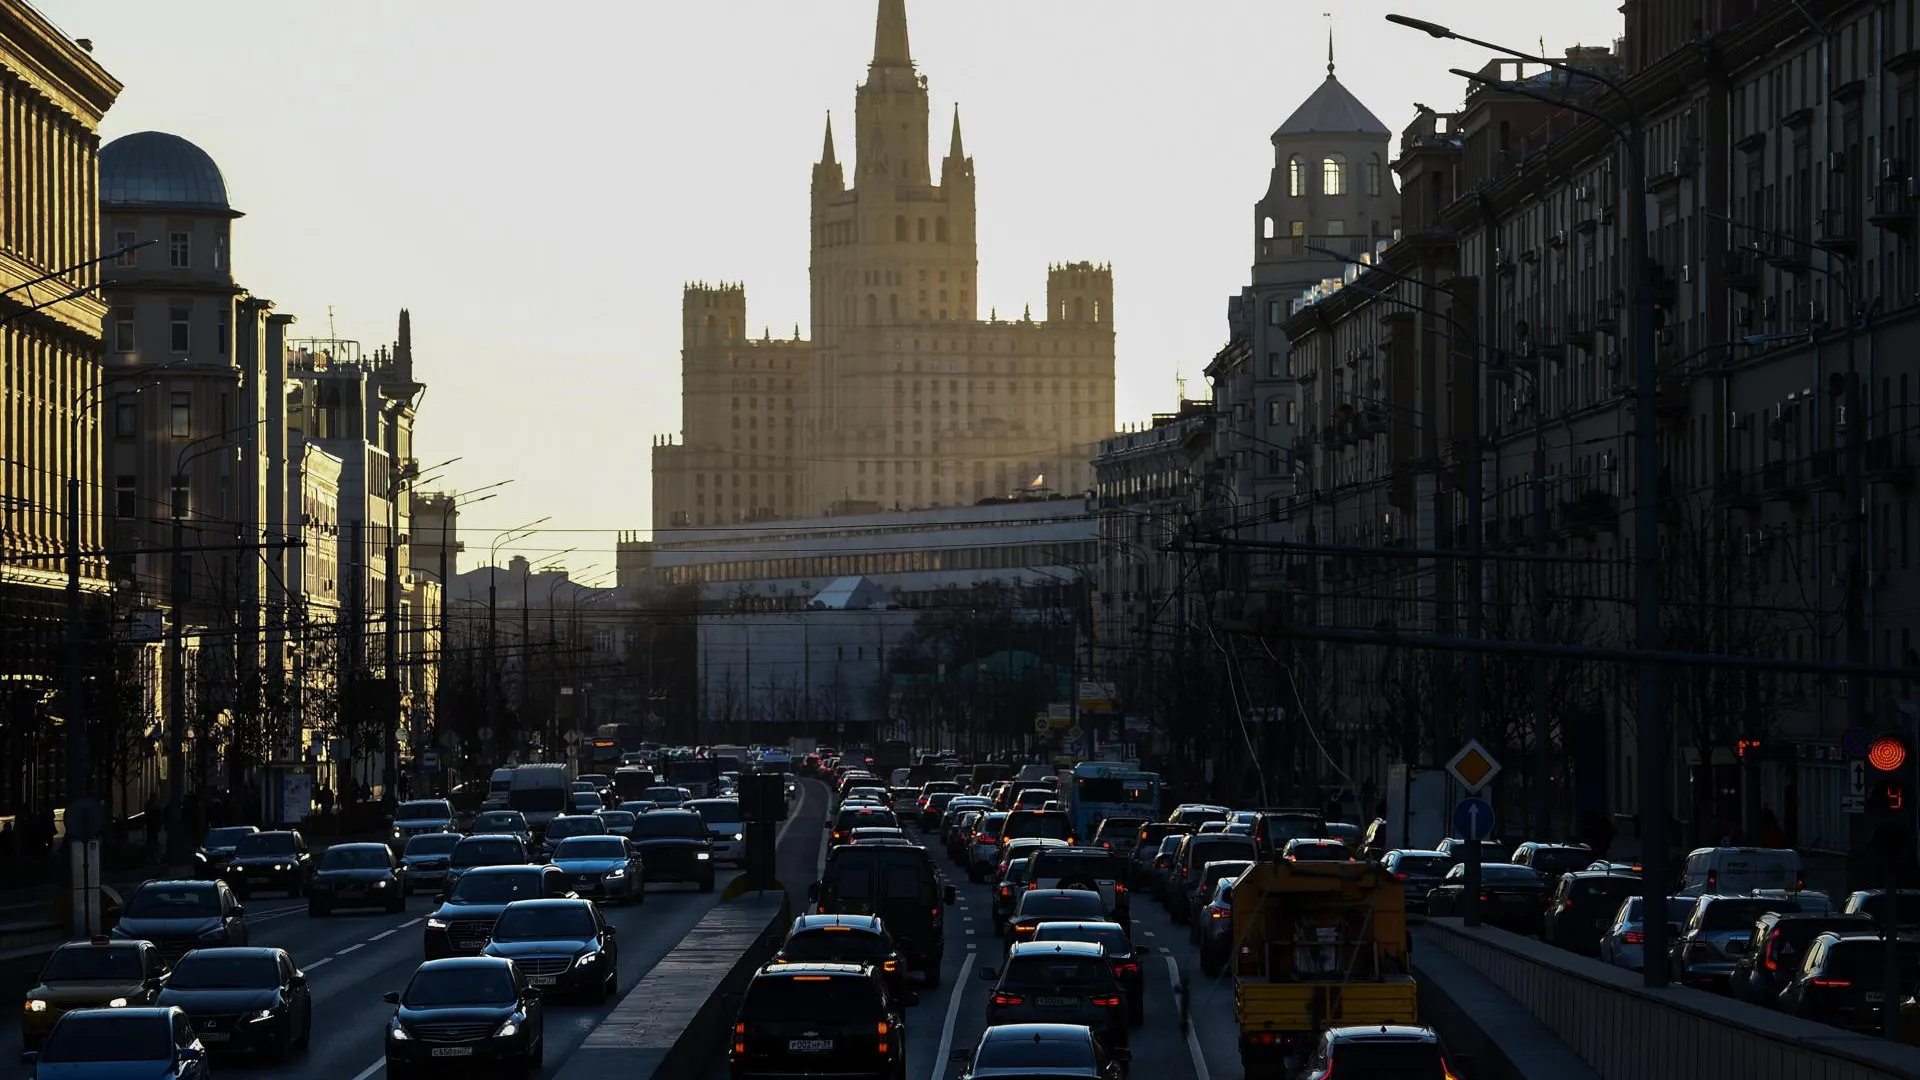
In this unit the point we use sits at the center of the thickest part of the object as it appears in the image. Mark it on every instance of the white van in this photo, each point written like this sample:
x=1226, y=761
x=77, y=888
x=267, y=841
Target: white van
x=1738, y=871
x=498, y=786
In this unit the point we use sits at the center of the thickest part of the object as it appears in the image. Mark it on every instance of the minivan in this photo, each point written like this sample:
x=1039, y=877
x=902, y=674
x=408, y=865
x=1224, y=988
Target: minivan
x=899, y=885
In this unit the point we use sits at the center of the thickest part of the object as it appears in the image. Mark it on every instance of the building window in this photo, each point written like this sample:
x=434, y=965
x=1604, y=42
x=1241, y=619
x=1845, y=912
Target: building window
x=1296, y=176
x=178, y=336
x=1274, y=411
x=900, y=228
x=179, y=251
x=180, y=415
x=1293, y=413
x=1274, y=314
x=1333, y=175
x=220, y=333
x=126, y=418
x=1297, y=229
x=122, y=240
x=1373, y=175
x=180, y=504
x=1336, y=227
x=123, y=339
x=126, y=500
x=1273, y=365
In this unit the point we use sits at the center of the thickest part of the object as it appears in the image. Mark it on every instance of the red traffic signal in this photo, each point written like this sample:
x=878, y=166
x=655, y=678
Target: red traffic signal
x=1887, y=753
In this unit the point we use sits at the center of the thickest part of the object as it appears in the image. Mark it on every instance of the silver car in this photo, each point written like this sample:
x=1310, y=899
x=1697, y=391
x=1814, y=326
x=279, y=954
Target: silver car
x=1715, y=937
x=724, y=828
x=1622, y=943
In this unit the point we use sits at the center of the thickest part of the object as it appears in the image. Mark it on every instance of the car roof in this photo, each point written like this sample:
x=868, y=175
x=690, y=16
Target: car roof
x=1037, y=1033
x=551, y=903
x=1613, y=875
x=1083, y=924
x=225, y=952
x=1058, y=948
x=515, y=837
x=109, y=943
x=1418, y=851
x=516, y=868
x=672, y=811
x=716, y=800
x=174, y=883
x=465, y=963
x=150, y=1012
x=358, y=845
x=1389, y=1032
x=853, y=922
x=787, y=969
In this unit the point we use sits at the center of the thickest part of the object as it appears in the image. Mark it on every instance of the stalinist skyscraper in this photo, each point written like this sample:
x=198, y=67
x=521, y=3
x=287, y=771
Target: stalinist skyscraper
x=903, y=398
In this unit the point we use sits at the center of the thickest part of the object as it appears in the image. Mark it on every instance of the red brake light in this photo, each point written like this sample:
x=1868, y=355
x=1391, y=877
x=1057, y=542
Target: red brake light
x=1006, y=890
x=1485, y=899
x=1128, y=968
x=1634, y=937
x=739, y=1038
x=1119, y=886
x=1108, y=844
x=1107, y=1002
x=1009, y=999
x=1400, y=875
x=1263, y=1038
x=1833, y=983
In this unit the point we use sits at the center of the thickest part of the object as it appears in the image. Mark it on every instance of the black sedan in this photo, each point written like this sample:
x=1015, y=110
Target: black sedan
x=181, y=915
x=424, y=864
x=463, y=1012
x=561, y=946
x=243, y=999
x=605, y=866
x=1511, y=897
x=1023, y=1051
x=463, y=923
x=210, y=861
x=674, y=846
x=270, y=862
x=356, y=876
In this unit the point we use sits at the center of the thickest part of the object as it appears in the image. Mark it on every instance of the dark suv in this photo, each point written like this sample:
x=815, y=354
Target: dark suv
x=1582, y=906
x=899, y=885
x=819, y=1019
x=1059, y=981
x=845, y=939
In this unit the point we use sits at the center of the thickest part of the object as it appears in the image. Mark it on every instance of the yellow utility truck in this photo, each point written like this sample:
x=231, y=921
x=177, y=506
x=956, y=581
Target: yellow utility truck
x=1315, y=945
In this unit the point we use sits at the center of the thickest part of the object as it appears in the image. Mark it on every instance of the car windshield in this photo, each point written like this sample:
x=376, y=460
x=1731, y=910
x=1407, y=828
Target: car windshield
x=1205, y=849
x=1106, y=934
x=866, y=819
x=1389, y=1060
x=226, y=838
x=1740, y=914
x=618, y=819
x=500, y=821
x=1906, y=907
x=1425, y=865
x=1062, y=905
x=591, y=847
x=1051, y=824
x=1214, y=872
x=497, y=888
x=80, y=963
x=1087, y=865
x=1864, y=959
x=665, y=794
x=718, y=811
x=102, y=1036
x=658, y=825
x=1072, y=1057
x=424, y=810
x=434, y=988
x=1056, y=970
x=1510, y=875
x=1019, y=871
x=434, y=844
x=487, y=851
x=561, y=828
x=835, y=943
x=807, y=999
x=355, y=857
x=212, y=971
x=266, y=843
x=1605, y=891
x=172, y=902
x=536, y=922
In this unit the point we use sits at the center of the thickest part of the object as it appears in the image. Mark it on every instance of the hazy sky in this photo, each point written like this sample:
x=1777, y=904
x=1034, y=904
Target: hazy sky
x=537, y=181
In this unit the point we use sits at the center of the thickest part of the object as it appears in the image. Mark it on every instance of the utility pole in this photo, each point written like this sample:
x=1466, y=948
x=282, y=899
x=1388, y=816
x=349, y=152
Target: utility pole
x=392, y=619
x=1542, y=609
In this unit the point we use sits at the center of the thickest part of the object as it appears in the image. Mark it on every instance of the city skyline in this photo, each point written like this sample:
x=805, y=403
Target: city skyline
x=396, y=132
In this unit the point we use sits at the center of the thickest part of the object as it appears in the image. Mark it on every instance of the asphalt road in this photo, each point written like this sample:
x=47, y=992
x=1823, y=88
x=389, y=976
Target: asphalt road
x=951, y=1017
x=352, y=959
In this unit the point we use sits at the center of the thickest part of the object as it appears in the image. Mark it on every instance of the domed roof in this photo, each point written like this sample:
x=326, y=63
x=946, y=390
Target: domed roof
x=155, y=169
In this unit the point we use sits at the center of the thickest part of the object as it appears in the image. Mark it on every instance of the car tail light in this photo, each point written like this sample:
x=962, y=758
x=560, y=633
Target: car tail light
x=1119, y=887
x=891, y=965
x=1128, y=968
x=1446, y=1071
x=1567, y=904
x=1006, y=890
x=1263, y=1038
x=1399, y=875
x=1109, y=1002
x=1218, y=913
x=1009, y=999
x=1634, y=937
x=1713, y=880
x=1834, y=984
x=1485, y=898
x=739, y=1038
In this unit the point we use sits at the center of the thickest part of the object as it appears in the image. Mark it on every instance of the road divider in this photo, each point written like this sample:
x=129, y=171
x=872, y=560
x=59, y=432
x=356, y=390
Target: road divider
x=674, y=1020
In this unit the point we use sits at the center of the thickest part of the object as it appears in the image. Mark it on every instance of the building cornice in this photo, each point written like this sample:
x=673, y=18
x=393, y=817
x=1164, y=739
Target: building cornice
x=59, y=69
x=82, y=315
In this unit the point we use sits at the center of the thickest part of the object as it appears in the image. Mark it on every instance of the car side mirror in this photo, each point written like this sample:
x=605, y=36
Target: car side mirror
x=440, y=897
x=298, y=980
x=989, y=974
x=949, y=895
x=532, y=993
x=239, y=911
x=1121, y=1054
x=391, y=997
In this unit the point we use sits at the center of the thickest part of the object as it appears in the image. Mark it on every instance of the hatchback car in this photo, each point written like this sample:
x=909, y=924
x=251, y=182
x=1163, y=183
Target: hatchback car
x=1842, y=978
x=1006, y=894
x=1397, y=1050
x=243, y=999
x=819, y=1019
x=147, y=1042
x=846, y=939
x=1623, y=943
x=1716, y=935
x=1053, y=905
x=1419, y=872
x=561, y=946
x=1779, y=945
x=1125, y=958
x=466, y=1012
x=1581, y=906
x=1027, y=1051
x=1061, y=982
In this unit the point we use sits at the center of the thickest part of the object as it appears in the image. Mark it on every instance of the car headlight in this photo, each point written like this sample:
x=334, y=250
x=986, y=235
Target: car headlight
x=616, y=872
x=36, y=1005
x=200, y=856
x=509, y=1028
x=117, y=1003
x=436, y=924
x=282, y=866
x=586, y=958
x=398, y=1032
x=704, y=855
x=381, y=884
x=263, y=1014
x=396, y=834
x=739, y=836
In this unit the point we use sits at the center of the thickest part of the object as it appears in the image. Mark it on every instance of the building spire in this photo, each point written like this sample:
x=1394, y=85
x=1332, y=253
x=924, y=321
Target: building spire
x=1330, y=75
x=890, y=36
x=956, y=151
x=826, y=152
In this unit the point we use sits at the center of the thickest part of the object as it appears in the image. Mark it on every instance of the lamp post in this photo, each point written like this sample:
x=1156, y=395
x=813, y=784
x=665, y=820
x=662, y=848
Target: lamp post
x=1650, y=698
x=493, y=613
x=454, y=500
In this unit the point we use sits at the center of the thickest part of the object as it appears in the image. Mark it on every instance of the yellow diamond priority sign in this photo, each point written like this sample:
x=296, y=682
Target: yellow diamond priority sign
x=1473, y=766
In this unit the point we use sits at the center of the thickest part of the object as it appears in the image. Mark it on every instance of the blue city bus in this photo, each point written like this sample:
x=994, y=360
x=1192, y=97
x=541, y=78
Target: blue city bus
x=1104, y=789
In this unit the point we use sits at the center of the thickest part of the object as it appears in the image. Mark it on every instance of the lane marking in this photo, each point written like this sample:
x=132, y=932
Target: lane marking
x=954, y=997
x=350, y=948
x=1193, y=1030
x=317, y=963
x=371, y=1069
x=383, y=934
x=412, y=922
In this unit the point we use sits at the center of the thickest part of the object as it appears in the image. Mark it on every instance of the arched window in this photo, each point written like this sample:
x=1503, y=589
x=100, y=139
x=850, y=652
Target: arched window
x=923, y=230
x=1333, y=175
x=1266, y=229
x=873, y=309
x=1296, y=176
x=893, y=307
x=1096, y=311
x=900, y=228
x=940, y=230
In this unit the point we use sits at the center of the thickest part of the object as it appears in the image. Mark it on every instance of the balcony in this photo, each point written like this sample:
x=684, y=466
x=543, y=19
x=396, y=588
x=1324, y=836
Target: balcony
x=1579, y=329
x=1894, y=205
x=1592, y=511
x=1742, y=271
x=1780, y=482
x=1549, y=345
x=1823, y=471
x=1889, y=459
x=1735, y=490
x=1837, y=232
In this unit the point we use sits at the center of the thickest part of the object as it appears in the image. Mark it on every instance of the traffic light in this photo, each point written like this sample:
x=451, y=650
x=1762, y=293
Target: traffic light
x=1887, y=753
x=1888, y=795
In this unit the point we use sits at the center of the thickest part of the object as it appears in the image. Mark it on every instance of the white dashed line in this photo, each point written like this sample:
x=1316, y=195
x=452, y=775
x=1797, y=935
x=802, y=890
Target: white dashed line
x=412, y=922
x=317, y=963
x=1193, y=1030
x=371, y=1069
x=946, y=1033
x=383, y=934
x=350, y=948
x=969, y=930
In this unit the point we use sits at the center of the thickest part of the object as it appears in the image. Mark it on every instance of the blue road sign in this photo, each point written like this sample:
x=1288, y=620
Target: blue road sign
x=430, y=761
x=1854, y=742
x=1473, y=819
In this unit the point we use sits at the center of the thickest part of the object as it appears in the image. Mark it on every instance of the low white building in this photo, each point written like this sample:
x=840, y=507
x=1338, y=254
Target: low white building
x=820, y=666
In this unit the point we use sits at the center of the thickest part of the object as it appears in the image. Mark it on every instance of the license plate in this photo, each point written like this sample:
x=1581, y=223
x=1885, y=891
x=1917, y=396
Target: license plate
x=1874, y=998
x=256, y=879
x=543, y=980
x=809, y=1046
x=214, y=1036
x=1057, y=1002
x=453, y=1051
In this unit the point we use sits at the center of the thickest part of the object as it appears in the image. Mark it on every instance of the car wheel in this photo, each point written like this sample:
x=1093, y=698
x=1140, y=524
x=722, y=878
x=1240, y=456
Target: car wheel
x=306, y=1029
x=396, y=1070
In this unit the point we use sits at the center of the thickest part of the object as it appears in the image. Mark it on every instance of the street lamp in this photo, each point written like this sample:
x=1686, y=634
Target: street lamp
x=1651, y=705
x=454, y=500
x=493, y=612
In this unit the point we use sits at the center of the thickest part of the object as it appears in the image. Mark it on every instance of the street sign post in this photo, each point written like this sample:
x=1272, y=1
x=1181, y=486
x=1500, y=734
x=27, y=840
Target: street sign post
x=1855, y=800
x=1473, y=767
x=1473, y=819
x=430, y=761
